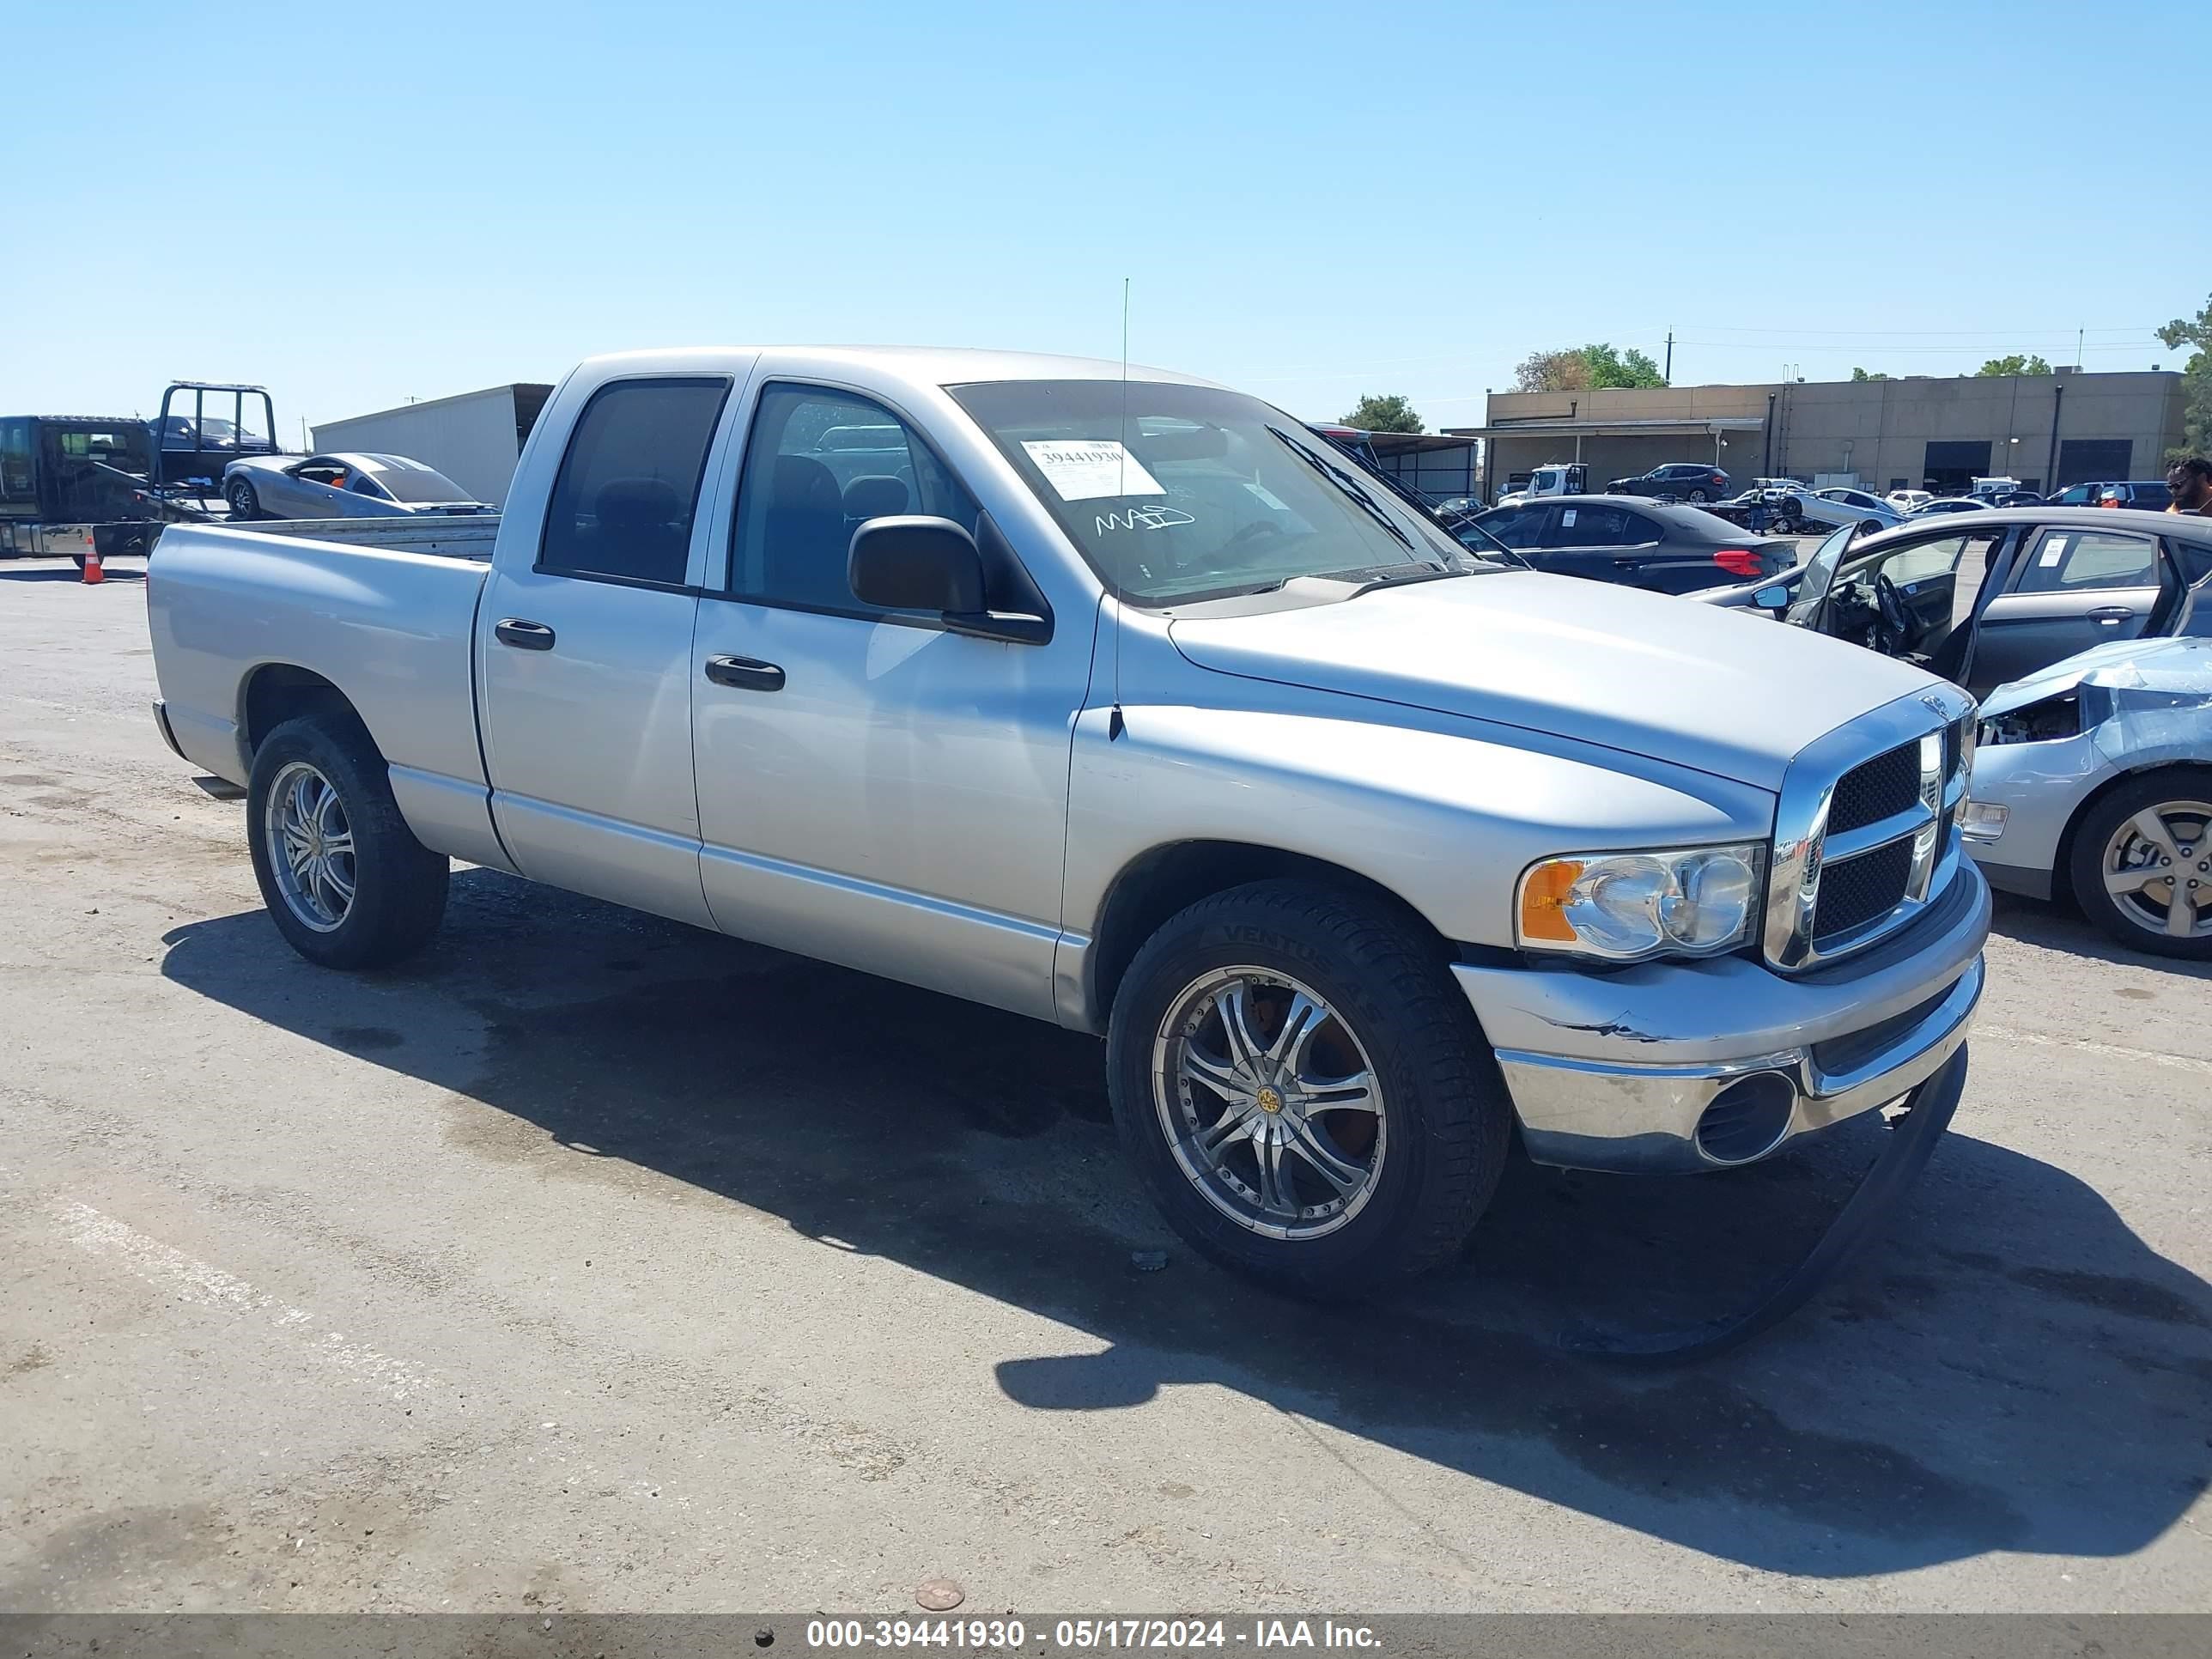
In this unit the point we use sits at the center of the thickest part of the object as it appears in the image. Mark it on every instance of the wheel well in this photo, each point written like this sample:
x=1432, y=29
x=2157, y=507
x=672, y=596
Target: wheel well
x=1172, y=879
x=2062, y=869
x=278, y=692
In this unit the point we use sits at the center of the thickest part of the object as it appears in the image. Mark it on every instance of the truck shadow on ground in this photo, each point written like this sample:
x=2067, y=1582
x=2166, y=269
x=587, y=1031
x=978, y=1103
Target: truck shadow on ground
x=2014, y=1371
x=2058, y=926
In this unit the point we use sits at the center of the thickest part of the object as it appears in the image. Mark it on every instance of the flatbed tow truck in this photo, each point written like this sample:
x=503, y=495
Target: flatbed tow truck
x=75, y=486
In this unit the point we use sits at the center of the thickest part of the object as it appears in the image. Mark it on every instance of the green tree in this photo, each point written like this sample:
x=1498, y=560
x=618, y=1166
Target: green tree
x=1584, y=367
x=1377, y=413
x=2015, y=364
x=1860, y=375
x=1629, y=368
x=2196, y=381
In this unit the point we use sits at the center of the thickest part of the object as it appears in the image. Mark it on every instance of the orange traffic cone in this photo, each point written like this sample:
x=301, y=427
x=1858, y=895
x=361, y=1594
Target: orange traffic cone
x=94, y=575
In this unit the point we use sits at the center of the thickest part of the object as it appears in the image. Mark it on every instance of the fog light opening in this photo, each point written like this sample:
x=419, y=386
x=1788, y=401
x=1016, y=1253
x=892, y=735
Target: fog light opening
x=1748, y=1119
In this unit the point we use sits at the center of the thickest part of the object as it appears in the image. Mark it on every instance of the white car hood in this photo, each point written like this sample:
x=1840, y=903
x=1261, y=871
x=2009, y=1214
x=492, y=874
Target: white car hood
x=1648, y=674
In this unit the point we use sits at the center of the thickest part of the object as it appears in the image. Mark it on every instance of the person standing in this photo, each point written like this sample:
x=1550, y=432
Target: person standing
x=2189, y=482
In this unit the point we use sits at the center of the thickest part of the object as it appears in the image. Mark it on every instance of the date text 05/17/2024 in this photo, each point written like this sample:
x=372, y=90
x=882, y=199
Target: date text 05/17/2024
x=1079, y=1635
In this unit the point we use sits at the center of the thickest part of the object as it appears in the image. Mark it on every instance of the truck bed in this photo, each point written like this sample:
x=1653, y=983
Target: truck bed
x=385, y=610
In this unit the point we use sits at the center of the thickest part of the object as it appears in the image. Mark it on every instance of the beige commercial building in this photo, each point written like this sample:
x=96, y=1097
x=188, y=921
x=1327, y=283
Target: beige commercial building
x=1917, y=433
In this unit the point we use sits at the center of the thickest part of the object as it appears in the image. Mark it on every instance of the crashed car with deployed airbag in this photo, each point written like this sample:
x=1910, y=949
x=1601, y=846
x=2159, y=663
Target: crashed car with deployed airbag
x=2095, y=777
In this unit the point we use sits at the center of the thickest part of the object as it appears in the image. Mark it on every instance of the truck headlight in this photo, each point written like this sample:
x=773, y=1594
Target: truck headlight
x=1621, y=907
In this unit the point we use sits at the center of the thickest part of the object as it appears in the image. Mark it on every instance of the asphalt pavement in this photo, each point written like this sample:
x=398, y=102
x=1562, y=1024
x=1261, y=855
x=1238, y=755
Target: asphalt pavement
x=593, y=1262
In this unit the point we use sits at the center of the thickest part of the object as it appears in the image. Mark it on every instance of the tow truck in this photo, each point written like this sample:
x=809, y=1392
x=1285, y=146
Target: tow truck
x=79, y=485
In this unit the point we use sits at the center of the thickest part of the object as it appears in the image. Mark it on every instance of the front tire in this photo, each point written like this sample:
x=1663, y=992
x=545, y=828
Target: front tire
x=1303, y=1090
x=2142, y=863
x=245, y=505
x=344, y=878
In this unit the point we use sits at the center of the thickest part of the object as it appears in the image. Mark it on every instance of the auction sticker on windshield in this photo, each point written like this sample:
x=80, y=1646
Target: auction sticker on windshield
x=1083, y=469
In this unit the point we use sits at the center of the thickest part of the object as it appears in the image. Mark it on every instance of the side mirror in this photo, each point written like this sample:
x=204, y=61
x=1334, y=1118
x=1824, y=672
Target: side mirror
x=1771, y=598
x=910, y=562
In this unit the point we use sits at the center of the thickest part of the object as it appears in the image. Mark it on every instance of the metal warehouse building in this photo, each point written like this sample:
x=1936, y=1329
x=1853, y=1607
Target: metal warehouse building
x=1915, y=433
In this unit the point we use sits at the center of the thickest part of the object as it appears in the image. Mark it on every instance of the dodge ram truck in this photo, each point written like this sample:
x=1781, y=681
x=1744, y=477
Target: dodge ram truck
x=1116, y=698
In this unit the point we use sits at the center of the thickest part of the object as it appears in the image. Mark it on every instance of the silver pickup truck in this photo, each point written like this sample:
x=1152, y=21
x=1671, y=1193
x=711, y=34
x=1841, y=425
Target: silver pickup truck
x=1122, y=700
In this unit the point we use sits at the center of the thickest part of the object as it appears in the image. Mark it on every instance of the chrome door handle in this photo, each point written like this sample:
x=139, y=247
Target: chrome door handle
x=523, y=635
x=2111, y=614
x=744, y=673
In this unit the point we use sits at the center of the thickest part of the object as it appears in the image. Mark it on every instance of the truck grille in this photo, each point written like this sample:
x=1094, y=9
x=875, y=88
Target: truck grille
x=1863, y=837
x=1884, y=787
x=1855, y=891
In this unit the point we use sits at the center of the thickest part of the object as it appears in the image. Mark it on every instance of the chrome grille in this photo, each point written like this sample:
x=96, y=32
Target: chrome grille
x=1862, y=833
x=1861, y=889
x=1881, y=788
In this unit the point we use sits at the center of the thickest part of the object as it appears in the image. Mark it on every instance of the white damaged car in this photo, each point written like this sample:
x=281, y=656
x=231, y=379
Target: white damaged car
x=2095, y=777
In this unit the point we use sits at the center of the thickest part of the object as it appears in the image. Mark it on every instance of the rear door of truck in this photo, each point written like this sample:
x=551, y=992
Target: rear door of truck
x=583, y=647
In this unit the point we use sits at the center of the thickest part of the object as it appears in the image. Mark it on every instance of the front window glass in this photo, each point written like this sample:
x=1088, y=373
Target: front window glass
x=1176, y=493
x=1516, y=526
x=1820, y=568
x=819, y=464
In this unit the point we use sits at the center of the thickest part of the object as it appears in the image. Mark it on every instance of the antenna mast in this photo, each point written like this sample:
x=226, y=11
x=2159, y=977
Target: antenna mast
x=1116, y=724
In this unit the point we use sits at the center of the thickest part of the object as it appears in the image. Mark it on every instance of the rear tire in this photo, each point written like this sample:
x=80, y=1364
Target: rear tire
x=1415, y=1151
x=345, y=880
x=1700, y=497
x=2109, y=848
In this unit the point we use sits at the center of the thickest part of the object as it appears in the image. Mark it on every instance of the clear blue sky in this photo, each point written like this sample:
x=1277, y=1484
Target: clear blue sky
x=357, y=205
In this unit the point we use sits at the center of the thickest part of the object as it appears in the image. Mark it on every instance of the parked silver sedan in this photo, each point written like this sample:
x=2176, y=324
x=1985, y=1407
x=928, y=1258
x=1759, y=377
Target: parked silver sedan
x=2095, y=777
x=340, y=486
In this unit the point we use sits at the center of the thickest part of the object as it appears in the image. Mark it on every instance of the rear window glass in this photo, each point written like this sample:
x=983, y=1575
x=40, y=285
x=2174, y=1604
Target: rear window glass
x=629, y=486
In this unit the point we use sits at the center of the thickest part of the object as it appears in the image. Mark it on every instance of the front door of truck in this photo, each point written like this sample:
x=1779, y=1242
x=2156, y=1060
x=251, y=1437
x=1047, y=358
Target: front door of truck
x=873, y=788
x=584, y=655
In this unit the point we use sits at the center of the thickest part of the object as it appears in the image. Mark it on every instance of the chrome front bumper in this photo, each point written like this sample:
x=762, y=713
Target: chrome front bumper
x=1617, y=1071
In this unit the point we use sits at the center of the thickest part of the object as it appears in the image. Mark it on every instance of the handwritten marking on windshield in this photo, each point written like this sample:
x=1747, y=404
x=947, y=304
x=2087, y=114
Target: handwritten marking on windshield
x=1143, y=518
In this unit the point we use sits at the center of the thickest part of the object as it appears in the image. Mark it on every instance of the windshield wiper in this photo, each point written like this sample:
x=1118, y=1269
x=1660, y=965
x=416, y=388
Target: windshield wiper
x=1388, y=575
x=1350, y=486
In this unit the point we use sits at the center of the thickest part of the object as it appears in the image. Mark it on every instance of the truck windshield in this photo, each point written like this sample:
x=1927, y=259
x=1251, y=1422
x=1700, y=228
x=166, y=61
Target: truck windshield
x=1191, y=493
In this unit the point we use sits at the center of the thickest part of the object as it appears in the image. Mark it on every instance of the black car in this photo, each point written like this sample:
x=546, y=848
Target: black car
x=1683, y=481
x=1634, y=541
x=2144, y=495
x=1994, y=596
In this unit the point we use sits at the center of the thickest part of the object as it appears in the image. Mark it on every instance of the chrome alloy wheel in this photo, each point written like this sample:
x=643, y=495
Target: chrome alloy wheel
x=1269, y=1102
x=2157, y=869
x=310, y=846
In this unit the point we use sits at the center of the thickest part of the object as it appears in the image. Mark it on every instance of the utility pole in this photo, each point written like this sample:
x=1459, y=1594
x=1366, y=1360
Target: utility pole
x=1669, y=375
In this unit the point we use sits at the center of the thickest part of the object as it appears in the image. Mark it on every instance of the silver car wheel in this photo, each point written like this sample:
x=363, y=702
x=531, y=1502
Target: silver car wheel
x=310, y=844
x=1269, y=1102
x=2157, y=869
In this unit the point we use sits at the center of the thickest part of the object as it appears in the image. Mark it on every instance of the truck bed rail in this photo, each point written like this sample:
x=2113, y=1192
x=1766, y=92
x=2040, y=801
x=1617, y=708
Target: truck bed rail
x=462, y=535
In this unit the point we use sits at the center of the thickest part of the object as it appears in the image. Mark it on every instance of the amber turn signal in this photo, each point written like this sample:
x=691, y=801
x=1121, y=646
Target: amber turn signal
x=1544, y=898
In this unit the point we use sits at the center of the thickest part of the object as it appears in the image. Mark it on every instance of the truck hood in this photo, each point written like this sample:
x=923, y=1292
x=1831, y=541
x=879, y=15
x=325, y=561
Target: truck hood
x=1646, y=673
